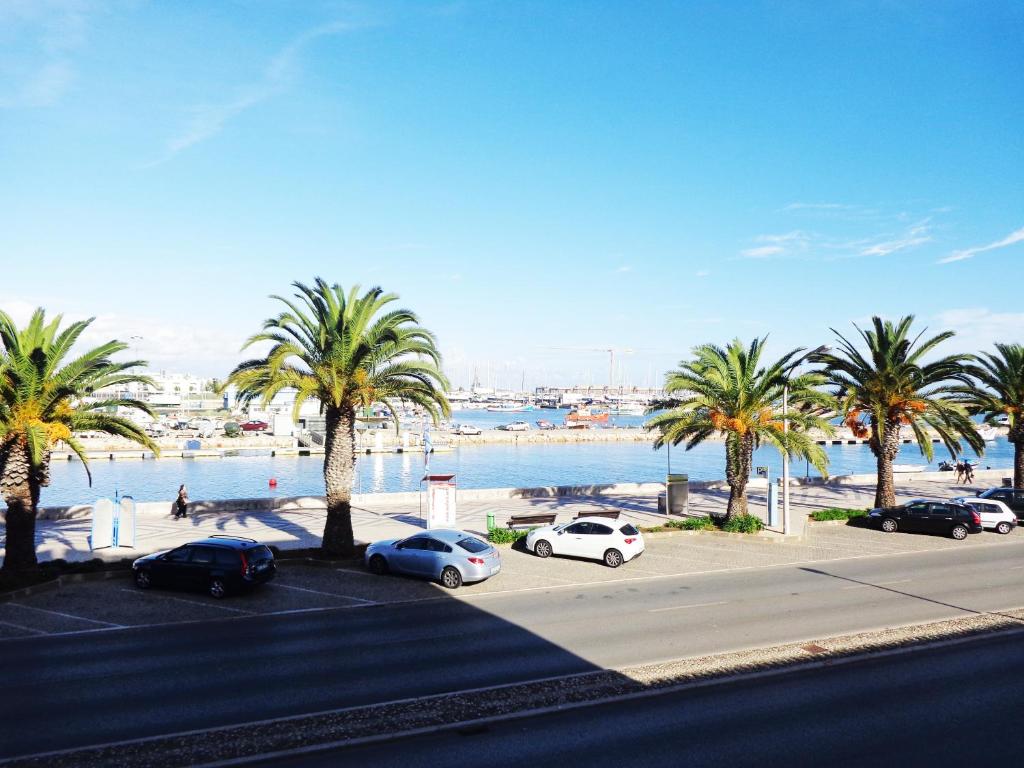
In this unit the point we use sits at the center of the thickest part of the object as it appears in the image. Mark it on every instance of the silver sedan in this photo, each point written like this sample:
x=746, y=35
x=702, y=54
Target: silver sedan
x=450, y=557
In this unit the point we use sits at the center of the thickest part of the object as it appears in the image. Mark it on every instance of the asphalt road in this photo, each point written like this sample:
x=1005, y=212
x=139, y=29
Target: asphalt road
x=950, y=707
x=108, y=686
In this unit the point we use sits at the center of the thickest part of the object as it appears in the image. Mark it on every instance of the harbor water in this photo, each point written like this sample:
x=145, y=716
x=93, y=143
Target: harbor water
x=475, y=466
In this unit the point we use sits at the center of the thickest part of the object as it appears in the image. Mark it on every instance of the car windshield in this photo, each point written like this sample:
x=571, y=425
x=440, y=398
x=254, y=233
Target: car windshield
x=473, y=545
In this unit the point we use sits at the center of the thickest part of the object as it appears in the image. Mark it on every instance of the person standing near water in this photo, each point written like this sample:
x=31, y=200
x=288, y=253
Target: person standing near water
x=181, y=504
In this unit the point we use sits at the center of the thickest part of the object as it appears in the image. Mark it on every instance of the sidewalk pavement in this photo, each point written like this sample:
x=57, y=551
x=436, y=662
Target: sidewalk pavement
x=296, y=529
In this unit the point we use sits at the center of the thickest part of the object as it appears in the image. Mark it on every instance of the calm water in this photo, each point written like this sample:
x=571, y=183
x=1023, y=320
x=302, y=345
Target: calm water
x=487, y=466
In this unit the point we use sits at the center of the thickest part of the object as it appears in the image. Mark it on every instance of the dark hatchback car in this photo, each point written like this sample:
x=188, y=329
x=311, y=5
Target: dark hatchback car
x=1011, y=497
x=922, y=516
x=217, y=565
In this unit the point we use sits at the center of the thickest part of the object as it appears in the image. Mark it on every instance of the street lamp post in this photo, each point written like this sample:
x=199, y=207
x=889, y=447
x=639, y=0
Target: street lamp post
x=785, y=431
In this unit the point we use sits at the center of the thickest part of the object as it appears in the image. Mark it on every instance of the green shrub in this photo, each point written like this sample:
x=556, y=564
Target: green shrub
x=743, y=524
x=837, y=513
x=693, y=524
x=506, y=535
x=231, y=429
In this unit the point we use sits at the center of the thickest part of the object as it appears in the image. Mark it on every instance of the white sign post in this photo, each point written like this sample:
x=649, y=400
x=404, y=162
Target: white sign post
x=441, y=512
x=113, y=525
x=126, y=523
x=102, y=524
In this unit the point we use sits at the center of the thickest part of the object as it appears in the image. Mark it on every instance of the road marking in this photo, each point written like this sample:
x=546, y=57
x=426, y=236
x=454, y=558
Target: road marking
x=328, y=594
x=1015, y=568
x=68, y=615
x=193, y=602
x=683, y=607
x=19, y=626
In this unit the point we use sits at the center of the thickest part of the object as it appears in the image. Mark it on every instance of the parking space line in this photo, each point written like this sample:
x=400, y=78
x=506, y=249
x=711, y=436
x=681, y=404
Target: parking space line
x=68, y=615
x=683, y=607
x=328, y=594
x=26, y=629
x=193, y=602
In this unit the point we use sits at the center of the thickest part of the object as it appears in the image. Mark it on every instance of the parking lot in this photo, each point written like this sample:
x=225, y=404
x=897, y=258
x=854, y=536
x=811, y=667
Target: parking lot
x=115, y=603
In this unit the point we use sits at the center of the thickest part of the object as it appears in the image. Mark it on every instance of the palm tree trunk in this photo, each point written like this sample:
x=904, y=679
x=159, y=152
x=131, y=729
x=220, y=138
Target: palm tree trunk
x=19, y=485
x=339, y=466
x=885, y=451
x=1018, y=462
x=739, y=453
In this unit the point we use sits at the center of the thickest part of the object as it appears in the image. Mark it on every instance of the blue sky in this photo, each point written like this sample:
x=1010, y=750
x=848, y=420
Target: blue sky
x=645, y=176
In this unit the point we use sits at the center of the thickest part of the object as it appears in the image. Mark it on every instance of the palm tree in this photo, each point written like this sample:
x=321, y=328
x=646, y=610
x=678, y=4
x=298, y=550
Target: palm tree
x=891, y=387
x=343, y=351
x=1003, y=376
x=42, y=402
x=727, y=392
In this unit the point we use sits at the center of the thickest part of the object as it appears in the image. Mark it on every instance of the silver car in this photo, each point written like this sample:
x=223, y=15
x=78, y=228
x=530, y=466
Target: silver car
x=450, y=557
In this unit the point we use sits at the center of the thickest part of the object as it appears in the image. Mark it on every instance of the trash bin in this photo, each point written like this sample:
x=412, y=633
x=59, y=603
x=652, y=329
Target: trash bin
x=677, y=494
x=490, y=521
x=1007, y=482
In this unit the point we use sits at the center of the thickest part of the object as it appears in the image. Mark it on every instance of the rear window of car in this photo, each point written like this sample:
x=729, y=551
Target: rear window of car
x=629, y=529
x=259, y=553
x=472, y=545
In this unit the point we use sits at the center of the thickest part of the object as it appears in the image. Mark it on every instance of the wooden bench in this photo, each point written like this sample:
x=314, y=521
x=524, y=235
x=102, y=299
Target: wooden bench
x=542, y=518
x=611, y=514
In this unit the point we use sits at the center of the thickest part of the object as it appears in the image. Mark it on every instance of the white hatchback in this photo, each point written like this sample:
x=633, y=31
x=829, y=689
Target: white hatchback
x=595, y=538
x=995, y=514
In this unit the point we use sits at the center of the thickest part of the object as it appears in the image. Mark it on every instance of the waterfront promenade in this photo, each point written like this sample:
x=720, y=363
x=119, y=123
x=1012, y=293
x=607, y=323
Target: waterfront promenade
x=299, y=523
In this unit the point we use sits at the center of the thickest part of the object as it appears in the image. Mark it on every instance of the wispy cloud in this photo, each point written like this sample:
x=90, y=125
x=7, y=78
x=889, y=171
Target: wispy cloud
x=970, y=253
x=702, y=273
x=978, y=328
x=814, y=245
x=787, y=244
x=209, y=120
x=624, y=268
x=763, y=251
x=51, y=32
x=915, y=235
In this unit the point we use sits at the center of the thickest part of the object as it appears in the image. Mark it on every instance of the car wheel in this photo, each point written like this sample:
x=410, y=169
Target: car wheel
x=542, y=549
x=889, y=525
x=378, y=565
x=1004, y=527
x=451, y=578
x=959, y=532
x=142, y=580
x=218, y=588
x=613, y=558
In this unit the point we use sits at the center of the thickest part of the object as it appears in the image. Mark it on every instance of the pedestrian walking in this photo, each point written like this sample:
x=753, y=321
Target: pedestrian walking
x=181, y=504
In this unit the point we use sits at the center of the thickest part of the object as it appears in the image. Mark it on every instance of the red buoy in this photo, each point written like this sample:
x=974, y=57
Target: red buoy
x=273, y=482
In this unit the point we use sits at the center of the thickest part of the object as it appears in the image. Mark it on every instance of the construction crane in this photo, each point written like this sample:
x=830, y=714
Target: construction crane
x=611, y=356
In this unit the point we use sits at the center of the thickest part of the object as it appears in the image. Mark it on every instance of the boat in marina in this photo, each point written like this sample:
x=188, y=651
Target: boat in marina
x=988, y=433
x=510, y=408
x=587, y=414
x=629, y=409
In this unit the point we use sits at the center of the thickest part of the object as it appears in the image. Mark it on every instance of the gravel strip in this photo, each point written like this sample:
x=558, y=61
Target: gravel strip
x=254, y=739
